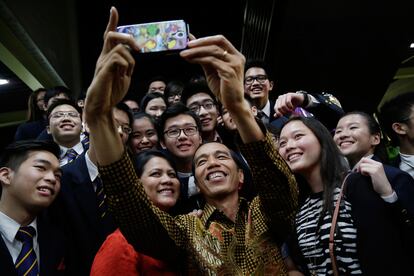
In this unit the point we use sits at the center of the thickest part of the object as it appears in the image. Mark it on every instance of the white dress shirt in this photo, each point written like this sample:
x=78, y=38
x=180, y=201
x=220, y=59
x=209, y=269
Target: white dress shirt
x=63, y=158
x=9, y=228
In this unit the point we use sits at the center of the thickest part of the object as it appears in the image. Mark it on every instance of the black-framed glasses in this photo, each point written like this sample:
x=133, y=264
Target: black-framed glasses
x=61, y=114
x=175, y=132
x=259, y=78
x=195, y=107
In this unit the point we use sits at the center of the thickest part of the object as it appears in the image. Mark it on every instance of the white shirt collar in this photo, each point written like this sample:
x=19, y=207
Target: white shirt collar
x=78, y=148
x=266, y=109
x=9, y=227
x=92, y=168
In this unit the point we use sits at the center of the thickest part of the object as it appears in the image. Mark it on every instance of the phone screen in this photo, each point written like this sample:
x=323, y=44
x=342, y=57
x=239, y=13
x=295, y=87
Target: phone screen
x=158, y=36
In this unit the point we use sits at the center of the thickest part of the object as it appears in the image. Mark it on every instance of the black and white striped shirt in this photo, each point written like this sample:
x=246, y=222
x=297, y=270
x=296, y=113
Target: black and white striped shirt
x=314, y=240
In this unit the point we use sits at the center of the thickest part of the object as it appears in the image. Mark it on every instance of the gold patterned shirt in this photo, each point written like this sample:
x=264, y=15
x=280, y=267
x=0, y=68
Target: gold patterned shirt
x=213, y=244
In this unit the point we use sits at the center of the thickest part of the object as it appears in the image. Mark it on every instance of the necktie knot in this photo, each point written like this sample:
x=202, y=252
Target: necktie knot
x=71, y=155
x=25, y=233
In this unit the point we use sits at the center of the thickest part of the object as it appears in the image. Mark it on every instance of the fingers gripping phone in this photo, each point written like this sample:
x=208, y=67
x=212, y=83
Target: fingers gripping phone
x=159, y=36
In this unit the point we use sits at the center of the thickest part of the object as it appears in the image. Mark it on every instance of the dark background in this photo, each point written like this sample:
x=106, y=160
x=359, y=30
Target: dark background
x=351, y=48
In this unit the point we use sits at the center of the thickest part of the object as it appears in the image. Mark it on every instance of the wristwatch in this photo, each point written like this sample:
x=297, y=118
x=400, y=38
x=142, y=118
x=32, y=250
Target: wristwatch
x=305, y=97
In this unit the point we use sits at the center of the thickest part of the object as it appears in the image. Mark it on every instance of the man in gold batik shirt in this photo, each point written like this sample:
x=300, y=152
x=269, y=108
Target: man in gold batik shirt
x=232, y=237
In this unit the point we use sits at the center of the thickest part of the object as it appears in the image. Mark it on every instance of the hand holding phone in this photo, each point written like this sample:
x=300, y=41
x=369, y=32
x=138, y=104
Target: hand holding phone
x=158, y=36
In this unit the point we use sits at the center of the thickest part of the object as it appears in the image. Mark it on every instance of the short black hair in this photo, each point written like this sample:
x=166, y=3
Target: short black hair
x=156, y=78
x=123, y=107
x=173, y=111
x=396, y=110
x=16, y=153
x=173, y=88
x=259, y=64
x=51, y=92
x=143, y=157
x=62, y=102
x=192, y=88
x=149, y=97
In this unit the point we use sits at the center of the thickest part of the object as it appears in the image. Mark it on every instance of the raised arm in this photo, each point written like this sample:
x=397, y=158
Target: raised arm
x=224, y=69
x=146, y=227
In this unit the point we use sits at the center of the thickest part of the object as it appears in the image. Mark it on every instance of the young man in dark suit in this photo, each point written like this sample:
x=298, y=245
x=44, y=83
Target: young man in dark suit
x=30, y=180
x=81, y=204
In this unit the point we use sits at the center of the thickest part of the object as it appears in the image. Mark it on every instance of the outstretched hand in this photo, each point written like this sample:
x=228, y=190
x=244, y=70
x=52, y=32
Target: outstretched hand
x=113, y=70
x=223, y=66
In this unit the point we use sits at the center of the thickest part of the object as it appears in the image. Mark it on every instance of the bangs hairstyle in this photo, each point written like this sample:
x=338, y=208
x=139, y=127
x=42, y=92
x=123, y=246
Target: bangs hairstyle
x=143, y=157
x=16, y=153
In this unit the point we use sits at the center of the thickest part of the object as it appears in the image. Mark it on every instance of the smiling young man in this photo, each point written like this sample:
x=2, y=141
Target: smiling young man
x=30, y=181
x=233, y=236
x=179, y=132
x=65, y=126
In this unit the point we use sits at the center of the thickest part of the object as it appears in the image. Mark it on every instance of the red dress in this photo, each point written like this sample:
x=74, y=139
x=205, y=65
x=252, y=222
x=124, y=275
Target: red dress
x=117, y=257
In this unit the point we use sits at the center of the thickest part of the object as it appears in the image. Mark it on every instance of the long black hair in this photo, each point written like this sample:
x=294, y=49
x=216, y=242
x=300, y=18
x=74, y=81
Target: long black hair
x=333, y=167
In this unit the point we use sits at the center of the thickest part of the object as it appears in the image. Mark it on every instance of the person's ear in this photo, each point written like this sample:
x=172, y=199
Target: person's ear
x=271, y=84
x=399, y=128
x=48, y=129
x=6, y=175
x=375, y=139
x=241, y=178
x=162, y=144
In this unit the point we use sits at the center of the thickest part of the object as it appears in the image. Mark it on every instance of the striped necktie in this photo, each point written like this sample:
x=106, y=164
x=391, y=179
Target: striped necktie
x=26, y=262
x=100, y=197
x=71, y=155
x=85, y=141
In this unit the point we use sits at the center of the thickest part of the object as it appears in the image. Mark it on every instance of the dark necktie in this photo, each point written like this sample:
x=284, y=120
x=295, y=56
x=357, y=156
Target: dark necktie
x=262, y=116
x=100, y=197
x=71, y=154
x=26, y=262
x=85, y=141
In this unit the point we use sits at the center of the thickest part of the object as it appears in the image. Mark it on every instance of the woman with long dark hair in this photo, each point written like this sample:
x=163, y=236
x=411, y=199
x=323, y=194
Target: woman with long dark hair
x=366, y=236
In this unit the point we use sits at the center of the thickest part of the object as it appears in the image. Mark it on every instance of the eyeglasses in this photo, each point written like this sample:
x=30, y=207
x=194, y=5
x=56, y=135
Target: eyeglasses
x=208, y=105
x=173, y=96
x=61, y=114
x=176, y=132
x=259, y=78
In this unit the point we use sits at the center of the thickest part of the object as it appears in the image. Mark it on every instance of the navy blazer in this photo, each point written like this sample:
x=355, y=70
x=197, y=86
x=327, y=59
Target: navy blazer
x=51, y=250
x=77, y=207
x=30, y=130
x=384, y=246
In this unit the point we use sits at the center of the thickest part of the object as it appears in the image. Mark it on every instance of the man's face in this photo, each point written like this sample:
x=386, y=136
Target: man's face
x=156, y=86
x=216, y=172
x=35, y=184
x=65, y=125
x=257, y=84
x=122, y=124
x=203, y=105
x=183, y=146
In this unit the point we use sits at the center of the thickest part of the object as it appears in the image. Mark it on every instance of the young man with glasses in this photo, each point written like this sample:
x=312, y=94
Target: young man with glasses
x=397, y=119
x=199, y=99
x=179, y=133
x=258, y=85
x=82, y=201
x=65, y=126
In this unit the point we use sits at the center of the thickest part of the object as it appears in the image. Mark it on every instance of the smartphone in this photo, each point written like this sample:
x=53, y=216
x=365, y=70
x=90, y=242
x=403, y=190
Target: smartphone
x=159, y=36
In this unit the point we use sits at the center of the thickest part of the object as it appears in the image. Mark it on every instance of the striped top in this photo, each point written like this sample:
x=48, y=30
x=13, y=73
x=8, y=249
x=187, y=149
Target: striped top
x=314, y=241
